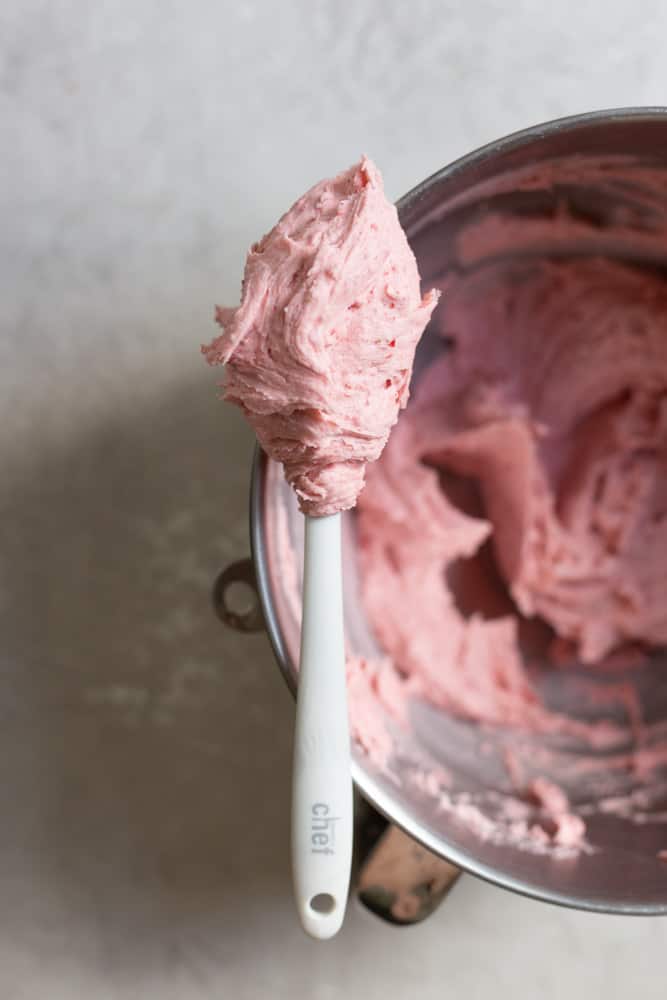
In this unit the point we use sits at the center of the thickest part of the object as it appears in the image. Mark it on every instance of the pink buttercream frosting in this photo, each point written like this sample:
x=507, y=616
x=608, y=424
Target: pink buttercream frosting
x=552, y=404
x=526, y=484
x=319, y=353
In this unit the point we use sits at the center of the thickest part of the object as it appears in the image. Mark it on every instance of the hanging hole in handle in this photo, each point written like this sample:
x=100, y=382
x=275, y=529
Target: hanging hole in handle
x=323, y=903
x=240, y=599
x=235, y=597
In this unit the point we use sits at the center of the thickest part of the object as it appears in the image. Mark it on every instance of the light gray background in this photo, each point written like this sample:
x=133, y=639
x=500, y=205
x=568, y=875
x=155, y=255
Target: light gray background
x=144, y=752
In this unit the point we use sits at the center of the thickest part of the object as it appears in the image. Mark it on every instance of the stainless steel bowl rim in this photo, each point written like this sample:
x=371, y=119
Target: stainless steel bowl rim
x=384, y=802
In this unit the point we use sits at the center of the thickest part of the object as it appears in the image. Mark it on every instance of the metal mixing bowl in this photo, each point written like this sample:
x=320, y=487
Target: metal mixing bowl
x=622, y=873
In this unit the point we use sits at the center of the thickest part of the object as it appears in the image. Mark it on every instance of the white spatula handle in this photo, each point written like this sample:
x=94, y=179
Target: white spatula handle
x=322, y=789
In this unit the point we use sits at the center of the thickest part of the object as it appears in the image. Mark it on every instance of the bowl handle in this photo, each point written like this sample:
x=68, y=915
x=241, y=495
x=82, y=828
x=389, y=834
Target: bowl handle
x=247, y=618
x=398, y=879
